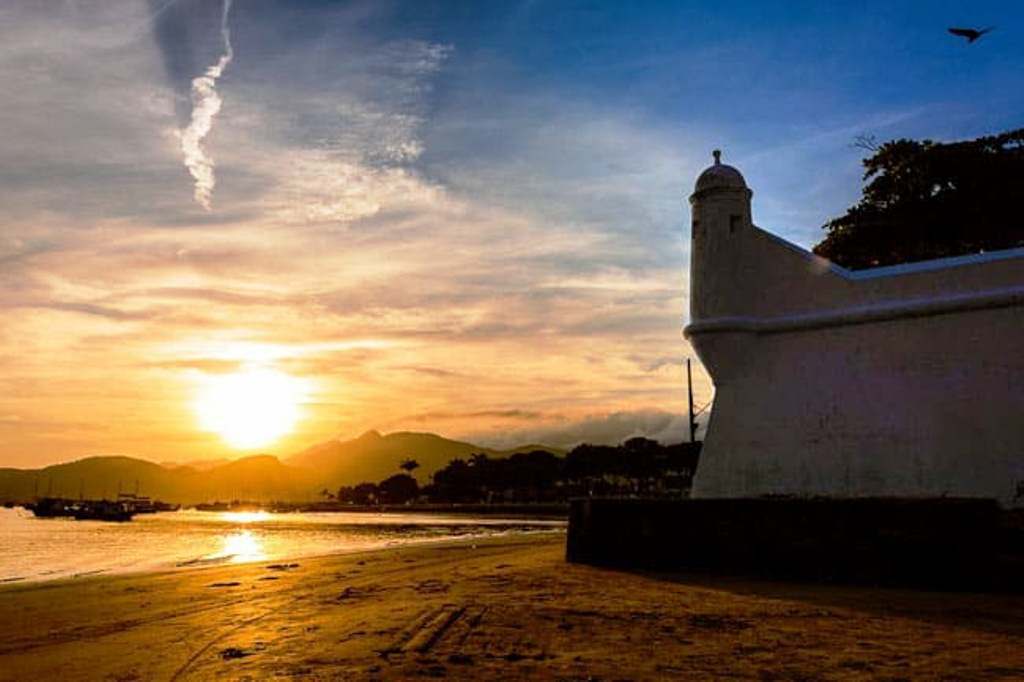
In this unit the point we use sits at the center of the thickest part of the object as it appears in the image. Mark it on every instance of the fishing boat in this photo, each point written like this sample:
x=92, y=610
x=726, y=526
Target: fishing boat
x=102, y=510
x=80, y=510
x=140, y=504
x=50, y=507
x=213, y=506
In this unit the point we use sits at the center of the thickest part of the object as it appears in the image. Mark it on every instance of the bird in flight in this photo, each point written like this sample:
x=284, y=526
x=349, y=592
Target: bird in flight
x=971, y=34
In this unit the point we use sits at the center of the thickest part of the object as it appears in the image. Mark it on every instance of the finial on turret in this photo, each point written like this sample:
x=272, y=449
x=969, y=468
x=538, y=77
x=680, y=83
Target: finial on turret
x=719, y=176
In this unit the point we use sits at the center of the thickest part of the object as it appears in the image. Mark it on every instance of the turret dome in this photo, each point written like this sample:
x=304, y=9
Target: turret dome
x=720, y=176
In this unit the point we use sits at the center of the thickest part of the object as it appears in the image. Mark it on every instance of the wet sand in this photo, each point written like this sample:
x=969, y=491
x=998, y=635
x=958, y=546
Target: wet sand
x=498, y=609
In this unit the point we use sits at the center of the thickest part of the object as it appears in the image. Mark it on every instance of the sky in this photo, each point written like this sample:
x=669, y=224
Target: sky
x=460, y=217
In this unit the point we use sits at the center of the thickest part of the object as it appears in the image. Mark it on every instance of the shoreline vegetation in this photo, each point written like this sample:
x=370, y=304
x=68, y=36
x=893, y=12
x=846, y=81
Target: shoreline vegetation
x=502, y=608
x=371, y=470
x=532, y=481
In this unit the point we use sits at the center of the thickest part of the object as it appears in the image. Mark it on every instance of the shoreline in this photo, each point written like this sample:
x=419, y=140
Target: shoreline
x=43, y=550
x=193, y=565
x=500, y=608
x=507, y=510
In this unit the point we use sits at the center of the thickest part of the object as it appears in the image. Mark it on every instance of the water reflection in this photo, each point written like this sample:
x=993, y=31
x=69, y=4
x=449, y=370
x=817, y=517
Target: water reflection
x=34, y=549
x=245, y=516
x=241, y=547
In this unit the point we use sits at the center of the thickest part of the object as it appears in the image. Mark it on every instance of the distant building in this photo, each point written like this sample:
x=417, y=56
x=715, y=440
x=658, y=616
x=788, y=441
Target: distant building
x=903, y=380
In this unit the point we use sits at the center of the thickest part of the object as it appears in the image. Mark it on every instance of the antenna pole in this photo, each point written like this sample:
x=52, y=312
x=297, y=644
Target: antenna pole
x=689, y=391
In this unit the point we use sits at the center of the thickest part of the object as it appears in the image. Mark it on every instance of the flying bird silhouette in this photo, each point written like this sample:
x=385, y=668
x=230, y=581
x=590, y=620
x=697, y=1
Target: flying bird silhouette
x=971, y=34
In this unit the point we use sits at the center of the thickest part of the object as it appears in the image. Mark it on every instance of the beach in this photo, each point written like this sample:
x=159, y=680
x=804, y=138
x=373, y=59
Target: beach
x=499, y=608
x=35, y=549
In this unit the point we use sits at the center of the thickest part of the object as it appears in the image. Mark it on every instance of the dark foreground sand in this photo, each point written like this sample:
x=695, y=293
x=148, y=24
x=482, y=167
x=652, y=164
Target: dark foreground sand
x=508, y=609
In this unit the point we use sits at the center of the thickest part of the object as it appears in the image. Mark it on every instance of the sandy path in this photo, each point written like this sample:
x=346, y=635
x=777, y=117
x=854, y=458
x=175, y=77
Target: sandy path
x=499, y=609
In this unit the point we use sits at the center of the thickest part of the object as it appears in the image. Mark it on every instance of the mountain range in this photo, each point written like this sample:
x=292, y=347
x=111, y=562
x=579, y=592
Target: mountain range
x=328, y=465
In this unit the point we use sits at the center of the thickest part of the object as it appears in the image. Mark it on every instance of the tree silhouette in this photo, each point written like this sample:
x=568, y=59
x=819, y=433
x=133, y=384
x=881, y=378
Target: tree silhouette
x=409, y=465
x=398, y=489
x=926, y=199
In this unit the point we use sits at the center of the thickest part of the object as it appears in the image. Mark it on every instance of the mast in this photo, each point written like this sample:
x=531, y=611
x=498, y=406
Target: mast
x=689, y=391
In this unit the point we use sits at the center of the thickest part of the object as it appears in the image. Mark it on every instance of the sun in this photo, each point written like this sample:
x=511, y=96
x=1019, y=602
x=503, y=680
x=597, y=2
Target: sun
x=250, y=408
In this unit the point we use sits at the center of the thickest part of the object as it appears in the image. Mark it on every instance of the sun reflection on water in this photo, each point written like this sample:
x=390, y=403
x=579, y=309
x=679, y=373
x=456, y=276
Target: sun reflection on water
x=246, y=516
x=242, y=547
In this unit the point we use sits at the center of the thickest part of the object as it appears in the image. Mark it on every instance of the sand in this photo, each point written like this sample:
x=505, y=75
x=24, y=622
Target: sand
x=498, y=609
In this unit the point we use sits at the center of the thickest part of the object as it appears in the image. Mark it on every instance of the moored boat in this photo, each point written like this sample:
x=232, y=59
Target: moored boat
x=50, y=507
x=102, y=510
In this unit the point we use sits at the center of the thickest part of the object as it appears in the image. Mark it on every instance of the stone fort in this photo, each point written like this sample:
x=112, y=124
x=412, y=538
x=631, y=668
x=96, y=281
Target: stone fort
x=893, y=381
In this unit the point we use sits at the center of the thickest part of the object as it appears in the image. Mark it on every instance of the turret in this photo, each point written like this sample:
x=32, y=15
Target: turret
x=721, y=215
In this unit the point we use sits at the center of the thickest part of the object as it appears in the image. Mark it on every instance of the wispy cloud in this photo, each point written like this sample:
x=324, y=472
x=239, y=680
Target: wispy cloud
x=206, y=104
x=428, y=220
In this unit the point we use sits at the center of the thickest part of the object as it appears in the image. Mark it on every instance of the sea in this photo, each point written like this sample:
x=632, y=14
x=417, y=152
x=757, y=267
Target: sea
x=34, y=549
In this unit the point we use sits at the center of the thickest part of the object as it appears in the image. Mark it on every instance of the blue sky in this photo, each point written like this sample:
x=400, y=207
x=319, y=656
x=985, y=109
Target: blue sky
x=459, y=216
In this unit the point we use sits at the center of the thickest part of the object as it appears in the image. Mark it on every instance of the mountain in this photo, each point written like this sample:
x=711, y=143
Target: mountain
x=197, y=464
x=373, y=457
x=261, y=477
x=91, y=477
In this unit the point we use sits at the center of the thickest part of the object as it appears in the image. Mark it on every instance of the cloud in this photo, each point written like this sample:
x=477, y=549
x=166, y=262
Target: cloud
x=205, y=365
x=605, y=429
x=521, y=415
x=87, y=309
x=206, y=104
x=360, y=240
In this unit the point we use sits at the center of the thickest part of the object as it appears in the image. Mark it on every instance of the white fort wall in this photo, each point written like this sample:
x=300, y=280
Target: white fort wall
x=905, y=380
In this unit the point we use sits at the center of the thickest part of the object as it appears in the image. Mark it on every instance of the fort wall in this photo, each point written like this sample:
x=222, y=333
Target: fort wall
x=895, y=381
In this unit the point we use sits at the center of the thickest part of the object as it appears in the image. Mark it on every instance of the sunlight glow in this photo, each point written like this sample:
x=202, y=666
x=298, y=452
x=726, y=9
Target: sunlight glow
x=250, y=408
x=242, y=547
x=246, y=516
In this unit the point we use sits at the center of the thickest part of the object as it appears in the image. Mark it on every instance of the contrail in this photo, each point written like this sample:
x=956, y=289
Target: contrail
x=205, y=105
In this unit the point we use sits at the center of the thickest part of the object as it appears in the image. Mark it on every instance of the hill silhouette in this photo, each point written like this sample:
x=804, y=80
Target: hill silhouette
x=259, y=477
x=371, y=457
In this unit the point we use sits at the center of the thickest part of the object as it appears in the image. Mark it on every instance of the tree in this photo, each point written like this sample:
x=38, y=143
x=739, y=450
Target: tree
x=926, y=199
x=365, y=493
x=408, y=465
x=457, y=482
x=398, y=489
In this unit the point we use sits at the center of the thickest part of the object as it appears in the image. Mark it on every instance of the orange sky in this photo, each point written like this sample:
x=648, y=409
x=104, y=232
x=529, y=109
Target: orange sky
x=119, y=327
x=538, y=297
x=466, y=218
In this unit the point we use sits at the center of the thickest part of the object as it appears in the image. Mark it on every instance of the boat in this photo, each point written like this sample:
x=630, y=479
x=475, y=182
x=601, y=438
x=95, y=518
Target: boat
x=81, y=510
x=140, y=504
x=50, y=507
x=102, y=510
x=213, y=506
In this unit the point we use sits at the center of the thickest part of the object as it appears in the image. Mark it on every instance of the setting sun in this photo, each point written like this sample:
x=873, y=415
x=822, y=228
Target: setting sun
x=250, y=408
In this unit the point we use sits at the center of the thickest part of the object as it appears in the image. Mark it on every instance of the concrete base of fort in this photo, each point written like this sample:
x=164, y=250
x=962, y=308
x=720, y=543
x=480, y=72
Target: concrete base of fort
x=938, y=543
